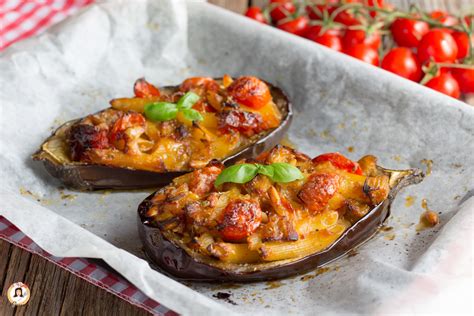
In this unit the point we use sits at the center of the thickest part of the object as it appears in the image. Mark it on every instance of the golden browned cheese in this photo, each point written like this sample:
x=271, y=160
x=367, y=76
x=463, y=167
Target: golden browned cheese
x=262, y=220
x=123, y=136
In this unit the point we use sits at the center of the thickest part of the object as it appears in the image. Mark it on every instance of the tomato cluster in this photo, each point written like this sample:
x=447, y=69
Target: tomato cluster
x=434, y=49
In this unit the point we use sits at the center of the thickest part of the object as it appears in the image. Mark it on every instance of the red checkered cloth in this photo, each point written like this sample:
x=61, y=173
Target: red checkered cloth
x=20, y=19
x=86, y=269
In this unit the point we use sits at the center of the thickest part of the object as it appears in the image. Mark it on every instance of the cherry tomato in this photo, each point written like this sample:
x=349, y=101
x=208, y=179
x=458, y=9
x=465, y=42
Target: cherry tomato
x=347, y=18
x=469, y=19
x=438, y=45
x=403, y=62
x=314, y=10
x=330, y=38
x=364, y=53
x=256, y=14
x=250, y=91
x=443, y=17
x=339, y=161
x=297, y=26
x=375, y=4
x=239, y=220
x=353, y=37
x=192, y=83
x=462, y=41
x=318, y=190
x=144, y=89
x=445, y=83
x=408, y=33
x=281, y=9
x=465, y=78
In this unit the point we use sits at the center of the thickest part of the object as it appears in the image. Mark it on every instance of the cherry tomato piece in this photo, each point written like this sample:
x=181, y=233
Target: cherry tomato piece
x=408, y=33
x=445, y=83
x=297, y=26
x=438, y=45
x=462, y=41
x=250, y=91
x=465, y=78
x=339, y=161
x=403, y=62
x=144, y=89
x=255, y=13
x=206, y=83
x=330, y=38
x=281, y=9
x=202, y=180
x=364, y=53
x=123, y=123
x=239, y=220
x=353, y=37
x=318, y=190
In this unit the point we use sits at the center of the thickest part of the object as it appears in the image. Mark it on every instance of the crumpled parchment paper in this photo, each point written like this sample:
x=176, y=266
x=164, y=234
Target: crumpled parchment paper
x=341, y=105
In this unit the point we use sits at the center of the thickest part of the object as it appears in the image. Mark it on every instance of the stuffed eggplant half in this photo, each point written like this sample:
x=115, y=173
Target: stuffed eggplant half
x=160, y=133
x=278, y=215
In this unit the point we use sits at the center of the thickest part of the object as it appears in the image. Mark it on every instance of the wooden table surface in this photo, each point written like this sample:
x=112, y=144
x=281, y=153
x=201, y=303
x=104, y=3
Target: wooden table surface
x=58, y=292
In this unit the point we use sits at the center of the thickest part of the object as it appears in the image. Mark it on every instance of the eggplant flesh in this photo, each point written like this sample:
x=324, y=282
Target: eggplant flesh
x=86, y=176
x=169, y=254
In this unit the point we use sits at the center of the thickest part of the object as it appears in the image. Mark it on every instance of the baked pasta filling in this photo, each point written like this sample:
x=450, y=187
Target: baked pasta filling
x=281, y=205
x=176, y=129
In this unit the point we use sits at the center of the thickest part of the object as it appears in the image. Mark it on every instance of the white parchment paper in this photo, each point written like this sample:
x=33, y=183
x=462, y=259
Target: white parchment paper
x=341, y=105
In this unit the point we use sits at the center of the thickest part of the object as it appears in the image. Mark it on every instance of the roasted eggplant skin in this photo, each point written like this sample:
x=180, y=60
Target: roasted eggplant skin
x=88, y=177
x=166, y=255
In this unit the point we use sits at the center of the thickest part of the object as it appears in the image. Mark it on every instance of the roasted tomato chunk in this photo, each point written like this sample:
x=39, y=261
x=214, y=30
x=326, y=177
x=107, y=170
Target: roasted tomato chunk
x=250, y=91
x=202, y=180
x=84, y=136
x=123, y=123
x=340, y=162
x=144, y=89
x=247, y=123
x=318, y=190
x=240, y=219
x=205, y=83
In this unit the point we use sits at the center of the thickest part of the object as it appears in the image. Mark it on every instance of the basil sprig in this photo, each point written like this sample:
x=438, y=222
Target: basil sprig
x=165, y=111
x=243, y=173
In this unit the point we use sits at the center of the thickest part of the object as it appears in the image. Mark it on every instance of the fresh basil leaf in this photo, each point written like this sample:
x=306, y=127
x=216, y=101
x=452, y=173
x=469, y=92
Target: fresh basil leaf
x=188, y=100
x=266, y=170
x=284, y=172
x=192, y=115
x=161, y=111
x=240, y=173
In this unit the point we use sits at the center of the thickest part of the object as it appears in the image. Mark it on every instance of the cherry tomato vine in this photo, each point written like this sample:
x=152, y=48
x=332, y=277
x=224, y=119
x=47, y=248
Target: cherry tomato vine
x=434, y=48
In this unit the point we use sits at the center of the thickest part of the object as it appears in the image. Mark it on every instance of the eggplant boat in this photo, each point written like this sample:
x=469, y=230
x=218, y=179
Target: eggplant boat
x=161, y=133
x=271, y=217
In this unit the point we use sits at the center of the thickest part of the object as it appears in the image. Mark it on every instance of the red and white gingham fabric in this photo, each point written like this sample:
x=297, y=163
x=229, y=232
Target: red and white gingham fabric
x=87, y=270
x=20, y=19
